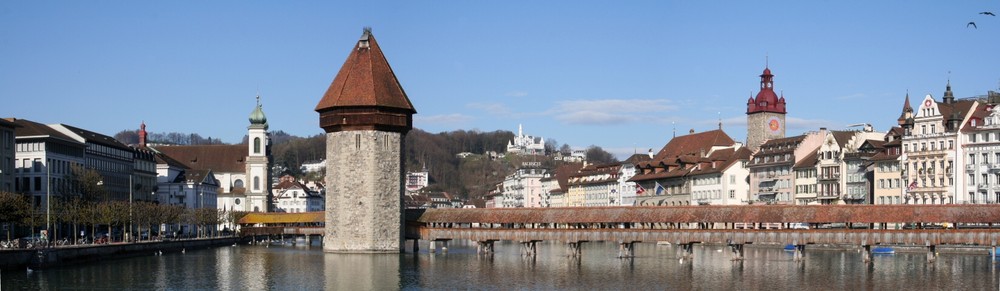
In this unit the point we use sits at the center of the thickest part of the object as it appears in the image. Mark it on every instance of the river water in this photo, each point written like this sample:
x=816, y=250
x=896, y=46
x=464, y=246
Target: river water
x=655, y=267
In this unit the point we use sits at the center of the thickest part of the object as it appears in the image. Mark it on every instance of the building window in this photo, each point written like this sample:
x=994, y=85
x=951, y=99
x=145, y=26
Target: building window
x=256, y=183
x=38, y=183
x=238, y=183
x=256, y=145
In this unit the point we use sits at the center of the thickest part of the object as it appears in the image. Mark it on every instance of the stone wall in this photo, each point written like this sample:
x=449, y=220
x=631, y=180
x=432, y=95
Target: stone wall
x=758, y=131
x=62, y=256
x=364, y=192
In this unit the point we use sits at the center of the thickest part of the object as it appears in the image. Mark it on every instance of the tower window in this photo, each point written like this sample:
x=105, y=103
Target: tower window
x=256, y=183
x=256, y=145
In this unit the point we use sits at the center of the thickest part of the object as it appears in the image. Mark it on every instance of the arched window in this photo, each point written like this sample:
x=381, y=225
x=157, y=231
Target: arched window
x=256, y=145
x=238, y=183
x=256, y=183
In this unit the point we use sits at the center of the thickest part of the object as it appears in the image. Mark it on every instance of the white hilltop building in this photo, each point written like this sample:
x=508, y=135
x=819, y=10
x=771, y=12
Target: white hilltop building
x=526, y=144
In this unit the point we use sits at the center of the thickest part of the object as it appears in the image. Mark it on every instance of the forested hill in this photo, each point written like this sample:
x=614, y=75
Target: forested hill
x=470, y=177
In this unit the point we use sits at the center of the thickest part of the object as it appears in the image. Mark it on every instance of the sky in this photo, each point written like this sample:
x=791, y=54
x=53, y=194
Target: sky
x=623, y=75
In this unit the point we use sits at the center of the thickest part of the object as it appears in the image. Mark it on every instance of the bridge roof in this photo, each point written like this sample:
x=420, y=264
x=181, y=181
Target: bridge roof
x=280, y=217
x=722, y=214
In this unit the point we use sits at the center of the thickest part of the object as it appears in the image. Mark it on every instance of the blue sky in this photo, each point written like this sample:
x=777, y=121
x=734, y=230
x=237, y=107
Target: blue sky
x=618, y=75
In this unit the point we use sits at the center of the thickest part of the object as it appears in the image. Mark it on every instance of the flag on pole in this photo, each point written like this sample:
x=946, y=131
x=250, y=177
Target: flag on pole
x=639, y=190
x=659, y=189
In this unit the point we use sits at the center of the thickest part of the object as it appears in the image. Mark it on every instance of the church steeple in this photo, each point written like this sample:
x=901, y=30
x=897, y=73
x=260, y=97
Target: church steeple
x=906, y=117
x=949, y=97
x=257, y=116
x=766, y=100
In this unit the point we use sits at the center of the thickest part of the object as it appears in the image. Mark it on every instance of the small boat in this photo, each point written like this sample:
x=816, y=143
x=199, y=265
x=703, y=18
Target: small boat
x=789, y=248
x=883, y=251
x=993, y=254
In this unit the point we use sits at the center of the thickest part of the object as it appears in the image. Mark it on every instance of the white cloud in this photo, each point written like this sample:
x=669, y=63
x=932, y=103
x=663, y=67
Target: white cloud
x=794, y=124
x=607, y=111
x=442, y=118
x=491, y=108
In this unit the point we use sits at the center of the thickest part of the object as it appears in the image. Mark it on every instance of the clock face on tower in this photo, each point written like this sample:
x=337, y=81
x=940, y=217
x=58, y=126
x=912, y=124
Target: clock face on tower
x=774, y=125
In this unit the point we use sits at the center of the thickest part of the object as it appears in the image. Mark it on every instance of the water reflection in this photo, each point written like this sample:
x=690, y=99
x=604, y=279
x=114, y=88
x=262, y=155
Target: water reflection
x=361, y=271
x=654, y=267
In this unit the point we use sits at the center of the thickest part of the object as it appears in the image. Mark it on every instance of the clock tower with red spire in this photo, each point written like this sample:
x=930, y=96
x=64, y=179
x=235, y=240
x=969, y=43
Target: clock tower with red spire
x=765, y=113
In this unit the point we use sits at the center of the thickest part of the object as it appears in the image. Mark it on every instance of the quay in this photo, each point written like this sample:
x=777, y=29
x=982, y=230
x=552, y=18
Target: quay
x=38, y=258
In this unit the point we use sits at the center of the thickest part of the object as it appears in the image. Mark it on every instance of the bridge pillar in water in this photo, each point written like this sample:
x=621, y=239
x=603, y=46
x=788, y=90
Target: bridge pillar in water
x=431, y=246
x=626, y=249
x=931, y=253
x=574, y=249
x=800, y=253
x=529, y=248
x=866, y=255
x=416, y=245
x=484, y=247
x=687, y=250
x=737, y=250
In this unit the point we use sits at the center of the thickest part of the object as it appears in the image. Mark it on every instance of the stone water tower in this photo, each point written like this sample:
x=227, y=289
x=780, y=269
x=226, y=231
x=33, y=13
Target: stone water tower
x=366, y=116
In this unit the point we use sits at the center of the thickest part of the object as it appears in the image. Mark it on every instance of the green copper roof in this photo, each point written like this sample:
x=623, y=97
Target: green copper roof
x=257, y=116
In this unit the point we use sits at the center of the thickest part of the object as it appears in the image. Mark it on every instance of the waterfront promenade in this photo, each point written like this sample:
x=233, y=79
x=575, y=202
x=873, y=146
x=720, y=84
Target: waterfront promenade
x=44, y=257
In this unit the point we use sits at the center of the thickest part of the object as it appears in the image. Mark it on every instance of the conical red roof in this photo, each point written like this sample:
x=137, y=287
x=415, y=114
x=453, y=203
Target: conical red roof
x=365, y=94
x=365, y=80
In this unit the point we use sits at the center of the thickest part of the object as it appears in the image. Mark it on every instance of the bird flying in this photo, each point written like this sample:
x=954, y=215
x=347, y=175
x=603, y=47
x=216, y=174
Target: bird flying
x=972, y=23
x=987, y=13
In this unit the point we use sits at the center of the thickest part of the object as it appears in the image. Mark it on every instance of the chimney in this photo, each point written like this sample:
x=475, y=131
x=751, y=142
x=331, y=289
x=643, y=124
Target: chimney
x=142, y=134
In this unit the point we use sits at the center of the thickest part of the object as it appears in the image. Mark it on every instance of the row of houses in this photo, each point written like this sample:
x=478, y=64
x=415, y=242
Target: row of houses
x=943, y=151
x=47, y=162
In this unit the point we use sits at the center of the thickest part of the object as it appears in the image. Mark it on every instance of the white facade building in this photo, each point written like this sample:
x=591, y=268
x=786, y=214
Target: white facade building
x=291, y=196
x=526, y=144
x=416, y=180
x=931, y=147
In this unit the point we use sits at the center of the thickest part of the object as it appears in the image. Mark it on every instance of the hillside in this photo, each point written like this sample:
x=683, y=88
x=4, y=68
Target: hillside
x=471, y=177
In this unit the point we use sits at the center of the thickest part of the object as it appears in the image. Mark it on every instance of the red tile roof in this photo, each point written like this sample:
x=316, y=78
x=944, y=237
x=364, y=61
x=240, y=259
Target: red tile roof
x=365, y=80
x=219, y=158
x=693, y=144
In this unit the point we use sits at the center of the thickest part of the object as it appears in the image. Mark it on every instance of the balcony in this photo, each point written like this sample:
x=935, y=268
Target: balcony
x=949, y=171
x=984, y=187
x=970, y=168
x=855, y=196
x=994, y=167
x=835, y=176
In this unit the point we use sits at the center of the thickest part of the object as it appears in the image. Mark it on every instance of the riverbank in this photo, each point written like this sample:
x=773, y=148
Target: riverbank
x=65, y=255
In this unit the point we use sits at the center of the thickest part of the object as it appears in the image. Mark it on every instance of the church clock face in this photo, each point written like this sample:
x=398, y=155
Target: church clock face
x=774, y=125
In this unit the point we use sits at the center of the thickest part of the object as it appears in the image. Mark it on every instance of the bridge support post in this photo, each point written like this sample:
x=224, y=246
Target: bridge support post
x=529, y=248
x=866, y=255
x=433, y=247
x=687, y=250
x=800, y=253
x=931, y=253
x=626, y=249
x=444, y=247
x=737, y=251
x=574, y=248
x=416, y=246
x=485, y=247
